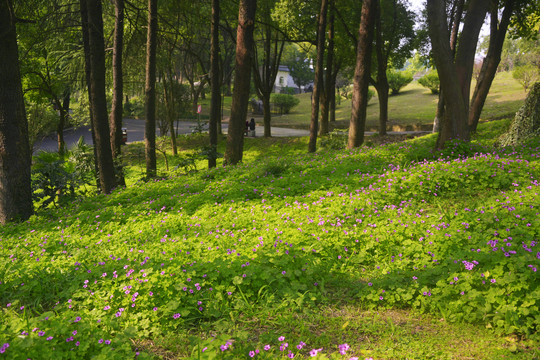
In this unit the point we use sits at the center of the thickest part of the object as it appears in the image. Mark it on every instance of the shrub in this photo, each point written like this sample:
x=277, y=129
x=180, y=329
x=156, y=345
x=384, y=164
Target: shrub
x=397, y=80
x=430, y=81
x=526, y=75
x=370, y=95
x=285, y=102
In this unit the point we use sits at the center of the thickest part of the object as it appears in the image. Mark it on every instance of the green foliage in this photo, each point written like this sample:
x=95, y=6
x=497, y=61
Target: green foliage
x=526, y=75
x=56, y=180
x=398, y=79
x=42, y=120
x=336, y=140
x=134, y=108
x=430, y=81
x=284, y=102
x=285, y=244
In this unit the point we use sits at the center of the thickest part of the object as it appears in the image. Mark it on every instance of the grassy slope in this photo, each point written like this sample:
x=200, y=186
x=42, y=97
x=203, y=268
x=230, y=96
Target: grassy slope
x=415, y=105
x=358, y=247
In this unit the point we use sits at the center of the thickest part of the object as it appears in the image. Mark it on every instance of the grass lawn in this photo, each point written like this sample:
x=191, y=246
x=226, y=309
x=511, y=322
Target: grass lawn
x=413, y=108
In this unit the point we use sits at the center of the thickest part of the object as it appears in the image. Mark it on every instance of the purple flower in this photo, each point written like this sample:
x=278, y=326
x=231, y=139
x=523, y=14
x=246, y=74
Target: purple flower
x=266, y=347
x=176, y=316
x=281, y=338
x=314, y=352
x=251, y=353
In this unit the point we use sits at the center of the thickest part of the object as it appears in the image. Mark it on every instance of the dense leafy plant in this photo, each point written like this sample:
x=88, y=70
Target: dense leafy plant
x=284, y=102
x=398, y=79
x=430, y=81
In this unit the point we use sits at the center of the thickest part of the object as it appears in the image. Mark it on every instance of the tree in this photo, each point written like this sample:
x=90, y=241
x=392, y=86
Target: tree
x=15, y=189
x=115, y=119
x=242, y=77
x=266, y=62
x=513, y=10
x=298, y=62
x=394, y=35
x=318, y=83
x=455, y=73
x=329, y=84
x=215, y=82
x=150, y=91
x=362, y=75
x=91, y=14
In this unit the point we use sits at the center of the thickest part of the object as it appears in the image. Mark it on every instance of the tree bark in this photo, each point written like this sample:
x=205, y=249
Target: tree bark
x=115, y=119
x=98, y=99
x=328, y=84
x=215, y=80
x=455, y=76
x=150, y=91
x=491, y=62
x=318, y=83
x=87, y=65
x=382, y=86
x=15, y=188
x=242, y=77
x=362, y=75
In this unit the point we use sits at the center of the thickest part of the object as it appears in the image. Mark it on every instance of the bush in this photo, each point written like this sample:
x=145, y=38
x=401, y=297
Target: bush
x=430, y=81
x=285, y=102
x=526, y=75
x=56, y=180
x=397, y=80
x=370, y=95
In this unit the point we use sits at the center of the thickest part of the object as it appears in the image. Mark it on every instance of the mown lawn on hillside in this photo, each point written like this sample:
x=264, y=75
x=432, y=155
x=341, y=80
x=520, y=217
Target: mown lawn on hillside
x=383, y=252
x=414, y=107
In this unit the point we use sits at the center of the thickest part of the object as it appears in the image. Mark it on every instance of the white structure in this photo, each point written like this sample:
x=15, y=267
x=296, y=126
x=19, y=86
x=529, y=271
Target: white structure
x=284, y=80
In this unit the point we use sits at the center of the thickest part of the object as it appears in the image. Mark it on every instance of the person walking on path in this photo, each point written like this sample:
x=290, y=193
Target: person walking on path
x=252, y=127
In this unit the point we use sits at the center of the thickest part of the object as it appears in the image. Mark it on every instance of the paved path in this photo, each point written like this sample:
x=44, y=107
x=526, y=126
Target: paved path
x=135, y=130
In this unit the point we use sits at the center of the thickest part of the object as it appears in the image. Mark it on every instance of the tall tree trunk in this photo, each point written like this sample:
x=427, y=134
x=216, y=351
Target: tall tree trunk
x=333, y=92
x=491, y=61
x=215, y=80
x=98, y=99
x=115, y=119
x=382, y=86
x=87, y=71
x=328, y=84
x=63, y=109
x=150, y=91
x=455, y=76
x=362, y=75
x=15, y=188
x=318, y=83
x=242, y=77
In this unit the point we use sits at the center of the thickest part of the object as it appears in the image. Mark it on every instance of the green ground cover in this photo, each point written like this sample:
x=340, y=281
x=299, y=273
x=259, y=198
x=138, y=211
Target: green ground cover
x=384, y=252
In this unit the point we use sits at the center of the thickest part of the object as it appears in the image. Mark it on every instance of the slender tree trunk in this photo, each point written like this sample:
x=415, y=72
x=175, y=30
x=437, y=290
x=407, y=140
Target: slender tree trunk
x=61, y=125
x=324, y=103
x=15, y=188
x=150, y=91
x=328, y=84
x=382, y=81
x=98, y=99
x=362, y=75
x=215, y=82
x=333, y=93
x=88, y=78
x=115, y=118
x=382, y=93
x=242, y=77
x=267, y=115
x=491, y=62
x=318, y=83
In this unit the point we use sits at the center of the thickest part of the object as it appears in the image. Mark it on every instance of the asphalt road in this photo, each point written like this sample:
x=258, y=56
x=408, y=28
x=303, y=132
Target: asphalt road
x=135, y=131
